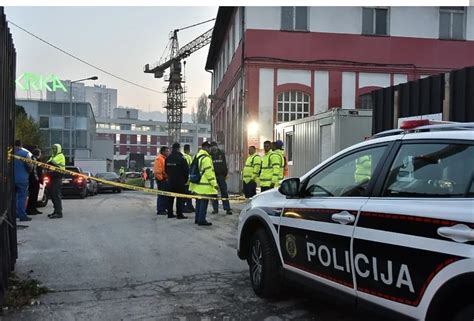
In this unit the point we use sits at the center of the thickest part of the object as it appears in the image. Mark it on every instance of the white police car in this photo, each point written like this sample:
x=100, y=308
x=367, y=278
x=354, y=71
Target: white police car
x=388, y=222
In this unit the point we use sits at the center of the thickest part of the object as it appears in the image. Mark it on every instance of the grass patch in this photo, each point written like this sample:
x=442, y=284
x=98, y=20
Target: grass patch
x=23, y=292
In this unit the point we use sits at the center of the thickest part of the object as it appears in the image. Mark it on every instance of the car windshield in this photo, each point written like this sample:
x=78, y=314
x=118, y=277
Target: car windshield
x=110, y=175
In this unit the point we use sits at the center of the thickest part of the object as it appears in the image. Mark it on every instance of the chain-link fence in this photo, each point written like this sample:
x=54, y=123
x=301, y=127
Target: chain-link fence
x=8, y=242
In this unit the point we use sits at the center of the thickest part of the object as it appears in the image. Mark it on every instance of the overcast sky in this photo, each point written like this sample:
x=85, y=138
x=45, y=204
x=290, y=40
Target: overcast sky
x=120, y=40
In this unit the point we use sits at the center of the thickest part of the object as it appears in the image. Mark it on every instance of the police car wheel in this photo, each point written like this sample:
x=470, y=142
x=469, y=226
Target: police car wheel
x=264, y=266
x=465, y=314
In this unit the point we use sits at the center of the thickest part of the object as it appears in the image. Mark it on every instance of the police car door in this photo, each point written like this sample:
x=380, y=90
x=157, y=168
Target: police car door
x=415, y=234
x=316, y=229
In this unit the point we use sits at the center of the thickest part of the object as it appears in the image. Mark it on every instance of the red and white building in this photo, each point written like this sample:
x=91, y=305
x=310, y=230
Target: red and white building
x=276, y=64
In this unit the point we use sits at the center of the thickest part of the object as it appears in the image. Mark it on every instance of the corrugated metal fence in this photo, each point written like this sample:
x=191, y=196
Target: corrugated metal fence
x=8, y=243
x=450, y=94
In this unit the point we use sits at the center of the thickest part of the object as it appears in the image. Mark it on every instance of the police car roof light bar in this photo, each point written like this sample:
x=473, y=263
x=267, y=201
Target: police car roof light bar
x=410, y=124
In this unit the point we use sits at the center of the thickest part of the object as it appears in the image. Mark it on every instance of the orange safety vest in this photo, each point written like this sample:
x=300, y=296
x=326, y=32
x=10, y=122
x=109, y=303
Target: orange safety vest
x=159, y=168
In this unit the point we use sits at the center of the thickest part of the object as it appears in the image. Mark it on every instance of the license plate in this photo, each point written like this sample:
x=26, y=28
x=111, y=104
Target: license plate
x=66, y=180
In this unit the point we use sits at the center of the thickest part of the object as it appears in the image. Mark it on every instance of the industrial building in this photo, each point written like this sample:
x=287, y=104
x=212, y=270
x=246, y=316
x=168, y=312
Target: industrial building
x=102, y=99
x=58, y=125
x=132, y=135
x=278, y=64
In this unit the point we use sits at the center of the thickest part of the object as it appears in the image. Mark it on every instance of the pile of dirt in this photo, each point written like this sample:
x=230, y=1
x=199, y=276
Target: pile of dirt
x=22, y=292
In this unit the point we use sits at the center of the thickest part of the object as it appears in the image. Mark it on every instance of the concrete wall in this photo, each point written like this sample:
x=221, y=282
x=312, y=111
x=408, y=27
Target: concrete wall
x=265, y=105
x=288, y=76
x=348, y=90
x=321, y=91
x=103, y=149
x=420, y=22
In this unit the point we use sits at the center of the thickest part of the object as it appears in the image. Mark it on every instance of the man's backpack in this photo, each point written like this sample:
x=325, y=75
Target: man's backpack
x=194, y=172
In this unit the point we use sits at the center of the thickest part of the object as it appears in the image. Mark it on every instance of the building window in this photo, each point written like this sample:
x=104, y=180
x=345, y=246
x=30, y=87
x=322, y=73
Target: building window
x=56, y=122
x=81, y=123
x=452, y=23
x=44, y=122
x=365, y=101
x=125, y=127
x=294, y=18
x=44, y=108
x=292, y=105
x=375, y=21
x=81, y=138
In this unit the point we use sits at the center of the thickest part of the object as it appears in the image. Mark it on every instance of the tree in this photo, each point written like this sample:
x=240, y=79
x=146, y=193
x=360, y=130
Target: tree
x=203, y=114
x=26, y=129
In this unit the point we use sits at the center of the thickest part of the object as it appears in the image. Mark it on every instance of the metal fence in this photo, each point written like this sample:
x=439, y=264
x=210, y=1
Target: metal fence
x=8, y=242
x=450, y=94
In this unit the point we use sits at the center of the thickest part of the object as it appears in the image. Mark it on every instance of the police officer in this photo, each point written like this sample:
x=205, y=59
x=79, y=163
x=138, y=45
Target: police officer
x=221, y=170
x=57, y=159
x=251, y=172
x=278, y=161
x=177, y=170
x=266, y=174
x=363, y=169
x=34, y=184
x=121, y=171
x=207, y=185
x=22, y=173
x=188, y=202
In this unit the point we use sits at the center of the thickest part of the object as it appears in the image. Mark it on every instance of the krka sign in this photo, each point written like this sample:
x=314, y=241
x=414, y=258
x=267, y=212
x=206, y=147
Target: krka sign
x=32, y=81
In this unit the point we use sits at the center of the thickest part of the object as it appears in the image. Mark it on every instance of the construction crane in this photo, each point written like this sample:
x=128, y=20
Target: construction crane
x=175, y=99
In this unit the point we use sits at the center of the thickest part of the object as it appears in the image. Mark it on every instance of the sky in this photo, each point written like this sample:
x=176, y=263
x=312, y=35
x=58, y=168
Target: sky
x=120, y=40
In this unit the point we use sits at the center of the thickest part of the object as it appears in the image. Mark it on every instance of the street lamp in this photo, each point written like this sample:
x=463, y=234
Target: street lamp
x=70, y=112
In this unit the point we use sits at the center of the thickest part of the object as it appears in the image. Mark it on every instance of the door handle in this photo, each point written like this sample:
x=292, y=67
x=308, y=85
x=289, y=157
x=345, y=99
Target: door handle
x=343, y=217
x=459, y=233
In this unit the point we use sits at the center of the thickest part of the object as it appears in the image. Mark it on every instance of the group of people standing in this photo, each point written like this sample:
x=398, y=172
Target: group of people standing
x=266, y=171
x=28, y=178
x=202, y=175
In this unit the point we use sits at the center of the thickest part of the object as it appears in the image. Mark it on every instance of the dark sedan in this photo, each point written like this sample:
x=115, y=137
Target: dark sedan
x=109, y=176
x=74, y=185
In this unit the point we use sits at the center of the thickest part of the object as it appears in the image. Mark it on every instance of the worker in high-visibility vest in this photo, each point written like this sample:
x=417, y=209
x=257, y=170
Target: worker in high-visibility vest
x=363, y=170
x=188, y=203
x=266, y=177
x=278, y=162
x=251, y=171
x=57, y=159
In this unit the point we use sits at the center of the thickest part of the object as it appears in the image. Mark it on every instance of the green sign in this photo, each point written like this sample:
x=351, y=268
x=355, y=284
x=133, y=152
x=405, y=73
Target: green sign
x=32, y=81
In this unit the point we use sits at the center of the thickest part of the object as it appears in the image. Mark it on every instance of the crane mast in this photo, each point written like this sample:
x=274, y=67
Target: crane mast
x=175, y=92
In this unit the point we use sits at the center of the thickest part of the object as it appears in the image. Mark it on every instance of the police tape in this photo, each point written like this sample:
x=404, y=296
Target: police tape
x=122, y=185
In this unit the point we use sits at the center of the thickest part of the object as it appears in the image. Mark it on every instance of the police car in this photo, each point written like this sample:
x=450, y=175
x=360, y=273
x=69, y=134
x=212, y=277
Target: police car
x=387, y=223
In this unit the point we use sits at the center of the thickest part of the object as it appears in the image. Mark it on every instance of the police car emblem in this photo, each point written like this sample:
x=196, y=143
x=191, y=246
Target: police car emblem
x=291, y=245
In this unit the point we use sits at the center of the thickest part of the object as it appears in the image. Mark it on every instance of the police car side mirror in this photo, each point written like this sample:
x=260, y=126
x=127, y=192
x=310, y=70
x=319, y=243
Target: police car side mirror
x=290, y=187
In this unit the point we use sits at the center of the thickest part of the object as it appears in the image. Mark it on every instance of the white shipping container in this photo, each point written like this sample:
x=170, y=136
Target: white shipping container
x=310, y=140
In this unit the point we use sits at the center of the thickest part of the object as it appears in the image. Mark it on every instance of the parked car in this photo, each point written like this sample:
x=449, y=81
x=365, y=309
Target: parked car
x=134, y=178
x=92, y=188
x=74, y=185
x=386, y=223
x=109, y=176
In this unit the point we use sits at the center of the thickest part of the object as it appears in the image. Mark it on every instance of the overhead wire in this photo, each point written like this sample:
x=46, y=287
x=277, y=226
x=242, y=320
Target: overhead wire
x=83, y=61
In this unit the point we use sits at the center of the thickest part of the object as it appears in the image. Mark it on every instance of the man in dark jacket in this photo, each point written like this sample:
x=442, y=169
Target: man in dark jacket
x=220, y=167
x=177, y=170
x=34, y=184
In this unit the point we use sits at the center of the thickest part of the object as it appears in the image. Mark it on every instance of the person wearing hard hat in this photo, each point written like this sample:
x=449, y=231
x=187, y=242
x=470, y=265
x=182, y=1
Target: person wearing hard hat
x=251, y=171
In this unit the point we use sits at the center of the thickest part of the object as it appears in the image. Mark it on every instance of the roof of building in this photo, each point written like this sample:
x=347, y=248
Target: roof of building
x=223, y=19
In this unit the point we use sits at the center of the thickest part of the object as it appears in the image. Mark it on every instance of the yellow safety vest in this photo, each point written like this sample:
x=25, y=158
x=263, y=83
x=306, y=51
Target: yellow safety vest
x=363, y=170
x=252, y=168
x=208, y=183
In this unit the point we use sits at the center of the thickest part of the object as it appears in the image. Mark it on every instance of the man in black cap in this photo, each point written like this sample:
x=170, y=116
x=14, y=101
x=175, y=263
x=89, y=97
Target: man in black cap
x=220, y=167
x=177, y=170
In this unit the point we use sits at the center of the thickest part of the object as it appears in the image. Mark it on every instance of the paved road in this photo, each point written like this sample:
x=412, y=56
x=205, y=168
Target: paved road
x=111, y=258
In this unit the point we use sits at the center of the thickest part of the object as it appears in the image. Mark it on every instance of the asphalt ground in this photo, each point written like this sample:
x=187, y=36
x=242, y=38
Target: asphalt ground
x=112, y=258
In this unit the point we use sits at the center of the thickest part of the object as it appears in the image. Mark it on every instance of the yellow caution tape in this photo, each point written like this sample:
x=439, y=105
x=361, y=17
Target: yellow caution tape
x=122, y=185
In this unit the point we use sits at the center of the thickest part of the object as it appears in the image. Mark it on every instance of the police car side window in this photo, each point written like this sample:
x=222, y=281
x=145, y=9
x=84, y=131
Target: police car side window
x=348, y=176
x=432, y=170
